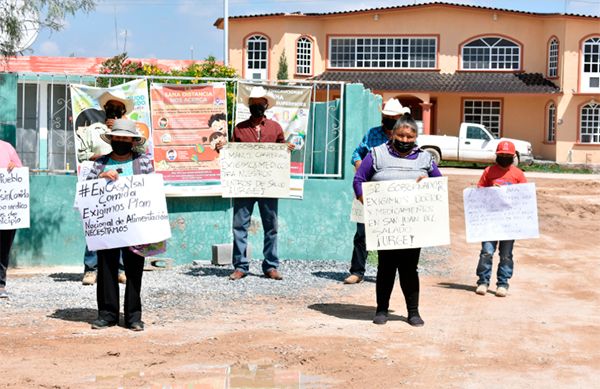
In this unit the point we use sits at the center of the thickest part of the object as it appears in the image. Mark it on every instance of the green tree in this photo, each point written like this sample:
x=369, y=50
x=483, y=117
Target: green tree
x=282, y=72
x=16, y=16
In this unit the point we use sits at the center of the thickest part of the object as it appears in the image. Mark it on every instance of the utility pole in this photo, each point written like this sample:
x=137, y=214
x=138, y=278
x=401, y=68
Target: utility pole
x=226, y=30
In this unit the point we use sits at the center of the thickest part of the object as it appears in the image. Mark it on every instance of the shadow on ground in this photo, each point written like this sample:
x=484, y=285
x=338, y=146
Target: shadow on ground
x=66, y=277
x=338, y=276
x=209, y=271
x=351, y=311
x=452, y=285
x=84, y=315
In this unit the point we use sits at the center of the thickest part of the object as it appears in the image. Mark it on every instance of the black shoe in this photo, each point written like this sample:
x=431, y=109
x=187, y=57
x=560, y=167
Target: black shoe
x=415, y=320
x=136, y=326
x=380, y=318
x=100, y=324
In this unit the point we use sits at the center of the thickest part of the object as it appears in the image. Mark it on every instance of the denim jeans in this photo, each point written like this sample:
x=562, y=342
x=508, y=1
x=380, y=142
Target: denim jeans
x=242, y=213
x=90, y=261
x=359, y=253
x=505, y=266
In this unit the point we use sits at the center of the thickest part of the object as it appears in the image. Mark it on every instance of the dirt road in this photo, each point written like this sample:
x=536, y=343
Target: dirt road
x=544, y=334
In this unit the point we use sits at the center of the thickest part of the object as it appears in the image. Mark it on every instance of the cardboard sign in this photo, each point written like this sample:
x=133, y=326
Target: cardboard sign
x=501, y=213
x=404, y=214
x=14, y=198
x=127, y=212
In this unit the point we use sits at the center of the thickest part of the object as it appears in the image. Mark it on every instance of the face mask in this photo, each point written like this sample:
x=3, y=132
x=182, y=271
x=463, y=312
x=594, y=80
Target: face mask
x=257, y=110
x=388, y=123
x=403, y=147
x=121, y=148
x=504, y=161
x=113, y=112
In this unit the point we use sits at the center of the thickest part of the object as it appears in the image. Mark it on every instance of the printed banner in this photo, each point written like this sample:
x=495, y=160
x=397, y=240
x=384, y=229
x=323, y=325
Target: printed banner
x=357, y=214
x=404, y=214
x=14, y=198
x=89, y=117
x=188, y=121
x=255, y=170
x=291, y=112
x=501, y=213
x=127, y=212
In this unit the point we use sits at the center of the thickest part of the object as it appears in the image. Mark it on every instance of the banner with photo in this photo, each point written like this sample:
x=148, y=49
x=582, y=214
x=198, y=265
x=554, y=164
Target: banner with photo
x=89, y=116
x=291, y=112
x=188, y=121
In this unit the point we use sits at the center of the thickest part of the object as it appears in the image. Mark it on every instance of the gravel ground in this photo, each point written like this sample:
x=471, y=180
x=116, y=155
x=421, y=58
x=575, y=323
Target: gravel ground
x=188, y=292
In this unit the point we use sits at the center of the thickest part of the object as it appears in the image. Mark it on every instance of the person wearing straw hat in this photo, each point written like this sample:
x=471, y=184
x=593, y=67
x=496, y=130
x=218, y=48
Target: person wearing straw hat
x=391, y=112
x=257, y=129
x=123, y=160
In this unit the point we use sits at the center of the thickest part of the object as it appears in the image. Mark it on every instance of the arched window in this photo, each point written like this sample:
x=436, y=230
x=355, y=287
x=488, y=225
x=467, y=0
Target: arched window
x=551, y=122
x=304, y=56
x=589, y=123
x=553, y=58
x=590, y=72
x=257, y=50
x=491, y=53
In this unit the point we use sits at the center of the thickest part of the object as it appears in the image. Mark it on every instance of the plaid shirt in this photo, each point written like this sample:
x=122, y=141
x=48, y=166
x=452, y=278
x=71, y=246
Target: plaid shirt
x=141, y=165
x=373, y=138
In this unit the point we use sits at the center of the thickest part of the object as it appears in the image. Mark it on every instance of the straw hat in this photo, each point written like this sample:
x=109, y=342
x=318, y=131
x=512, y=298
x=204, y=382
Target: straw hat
x=258, y=92
x=124, y=127
x=118, y=96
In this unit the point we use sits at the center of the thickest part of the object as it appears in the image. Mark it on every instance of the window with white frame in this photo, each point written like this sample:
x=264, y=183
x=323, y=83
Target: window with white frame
x=551, y=123
x=590, y=123
x=304, y=56
x=257, y=53
x=553, y=58
x=383, y=52
x=591, y=65
x=491, y=53
x=485, y=112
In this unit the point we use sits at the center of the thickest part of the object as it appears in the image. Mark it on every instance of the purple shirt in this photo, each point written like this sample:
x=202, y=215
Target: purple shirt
x=366, y=170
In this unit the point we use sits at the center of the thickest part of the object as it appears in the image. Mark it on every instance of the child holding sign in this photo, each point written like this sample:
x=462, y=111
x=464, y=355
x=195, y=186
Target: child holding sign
x=502, y=173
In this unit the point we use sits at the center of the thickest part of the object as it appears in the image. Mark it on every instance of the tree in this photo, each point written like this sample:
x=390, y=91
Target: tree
x=282, y=72
x=17, y=15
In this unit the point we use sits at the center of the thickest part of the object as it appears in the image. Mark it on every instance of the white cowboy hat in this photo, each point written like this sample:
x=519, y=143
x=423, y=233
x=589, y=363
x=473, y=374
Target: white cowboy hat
x=258, y=92
x=118, y=96
x=393, y=108
x=124, y=127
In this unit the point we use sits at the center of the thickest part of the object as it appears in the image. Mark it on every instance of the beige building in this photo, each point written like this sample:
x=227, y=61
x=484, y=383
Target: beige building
x=524, y=75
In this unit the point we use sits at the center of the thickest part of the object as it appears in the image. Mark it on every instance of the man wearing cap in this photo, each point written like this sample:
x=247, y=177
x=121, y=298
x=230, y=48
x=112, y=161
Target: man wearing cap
x=257, y=129
x=391, y=112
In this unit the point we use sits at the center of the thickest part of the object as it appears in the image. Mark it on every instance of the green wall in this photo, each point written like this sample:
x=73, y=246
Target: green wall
x=8, y=107
x=316, y=227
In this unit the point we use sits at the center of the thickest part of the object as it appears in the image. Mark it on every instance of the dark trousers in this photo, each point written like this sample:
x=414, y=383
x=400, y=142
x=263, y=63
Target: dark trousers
x=6, y=240
x=107, y=290
x=405, y=262
x=359, y=253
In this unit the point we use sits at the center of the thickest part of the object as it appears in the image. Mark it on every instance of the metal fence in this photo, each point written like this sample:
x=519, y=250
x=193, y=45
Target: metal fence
x=45, y=136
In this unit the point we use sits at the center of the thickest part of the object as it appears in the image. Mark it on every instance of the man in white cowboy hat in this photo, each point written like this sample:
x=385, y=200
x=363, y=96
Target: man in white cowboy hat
x=115, y=105
x=391, y=112
x=257, y=129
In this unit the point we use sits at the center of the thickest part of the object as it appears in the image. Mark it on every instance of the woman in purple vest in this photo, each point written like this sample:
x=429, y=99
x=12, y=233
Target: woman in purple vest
x=398, y=159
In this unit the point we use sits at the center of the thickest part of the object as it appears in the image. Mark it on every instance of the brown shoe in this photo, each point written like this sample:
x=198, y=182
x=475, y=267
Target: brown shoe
x=122, y=278
x=89, y=278
x=237, y=275
x=273, y=274
x=353, y=279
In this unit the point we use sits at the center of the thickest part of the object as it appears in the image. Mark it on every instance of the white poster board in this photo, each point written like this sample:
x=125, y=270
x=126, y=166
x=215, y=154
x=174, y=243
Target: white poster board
x=501, y=213
x=14, y=198
x=127, y=212
x=255, y=170
x=357, y=214
x=404, y=214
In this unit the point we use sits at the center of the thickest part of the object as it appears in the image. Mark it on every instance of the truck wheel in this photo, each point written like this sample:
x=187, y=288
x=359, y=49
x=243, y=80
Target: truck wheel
x=435, y=154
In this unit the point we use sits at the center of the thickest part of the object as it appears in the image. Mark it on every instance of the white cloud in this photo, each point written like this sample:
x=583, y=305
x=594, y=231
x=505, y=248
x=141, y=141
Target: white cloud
x=587, y=7
x=49, y=49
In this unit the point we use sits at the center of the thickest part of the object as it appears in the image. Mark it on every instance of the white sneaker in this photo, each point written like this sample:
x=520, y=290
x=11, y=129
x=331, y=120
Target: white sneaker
x=89, y=278
x=502, y=291
x=481, y=289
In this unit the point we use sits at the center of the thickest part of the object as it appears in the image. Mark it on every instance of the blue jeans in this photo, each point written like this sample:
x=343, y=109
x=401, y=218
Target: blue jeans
x=505, y=266
x=242, y=212
x=90, y=261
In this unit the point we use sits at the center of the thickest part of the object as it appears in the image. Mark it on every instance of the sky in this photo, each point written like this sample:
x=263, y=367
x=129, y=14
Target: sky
x=183, y=29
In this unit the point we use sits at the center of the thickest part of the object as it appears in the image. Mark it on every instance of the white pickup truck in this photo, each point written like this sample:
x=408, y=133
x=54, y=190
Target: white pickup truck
x=474, y=144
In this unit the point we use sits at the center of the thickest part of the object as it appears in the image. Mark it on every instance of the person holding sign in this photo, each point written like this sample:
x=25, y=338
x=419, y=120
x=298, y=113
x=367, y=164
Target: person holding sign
x=8, y=160
x=123, y=160
x=398, y=159
x=391, y=112
x=503, y=172
x=257, y=129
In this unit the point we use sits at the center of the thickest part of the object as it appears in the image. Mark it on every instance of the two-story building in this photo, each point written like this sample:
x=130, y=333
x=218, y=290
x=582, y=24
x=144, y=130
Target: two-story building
x=525, y=75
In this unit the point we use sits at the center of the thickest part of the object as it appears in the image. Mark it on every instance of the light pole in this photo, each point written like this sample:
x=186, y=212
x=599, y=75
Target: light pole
x=226, y=30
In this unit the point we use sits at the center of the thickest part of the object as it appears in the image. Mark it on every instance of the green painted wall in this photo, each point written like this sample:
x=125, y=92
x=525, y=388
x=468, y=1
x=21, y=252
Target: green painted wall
x=316, y=227
x=8, y=107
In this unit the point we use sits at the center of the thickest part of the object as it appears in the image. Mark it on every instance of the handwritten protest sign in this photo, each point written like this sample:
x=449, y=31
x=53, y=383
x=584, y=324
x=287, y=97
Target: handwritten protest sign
x=255, y=170
x=357, y=214
x=14, y=198
x=404, y=214
x=501, y=213
x=129, y=211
